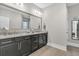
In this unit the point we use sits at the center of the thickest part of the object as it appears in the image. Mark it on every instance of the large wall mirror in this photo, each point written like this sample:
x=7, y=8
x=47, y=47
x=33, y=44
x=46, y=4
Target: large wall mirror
x=35, y=23
x=75, y=29
x=15, y=20
x=25, y=23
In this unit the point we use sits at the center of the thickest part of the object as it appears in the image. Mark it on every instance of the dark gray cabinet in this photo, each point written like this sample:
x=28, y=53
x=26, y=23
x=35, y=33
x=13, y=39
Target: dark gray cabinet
x=15, y=46
x=22, y=46
x=34, y=42
x=10, y=49
x=25, y=46
x=0, y=51
x=42, y=39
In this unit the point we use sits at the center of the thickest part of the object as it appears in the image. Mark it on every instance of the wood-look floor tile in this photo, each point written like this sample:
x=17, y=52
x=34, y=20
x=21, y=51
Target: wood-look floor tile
x=51, y=51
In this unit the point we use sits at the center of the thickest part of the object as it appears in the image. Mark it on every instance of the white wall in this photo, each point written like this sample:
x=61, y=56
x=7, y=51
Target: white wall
x=73, y=11
x=55, y=18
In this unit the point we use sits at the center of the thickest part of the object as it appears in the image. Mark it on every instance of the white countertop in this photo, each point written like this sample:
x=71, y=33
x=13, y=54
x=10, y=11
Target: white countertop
x=20, y=34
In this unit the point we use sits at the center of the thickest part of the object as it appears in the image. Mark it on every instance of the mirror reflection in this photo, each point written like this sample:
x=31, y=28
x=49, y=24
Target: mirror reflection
x=14, y=21
x=25, y=23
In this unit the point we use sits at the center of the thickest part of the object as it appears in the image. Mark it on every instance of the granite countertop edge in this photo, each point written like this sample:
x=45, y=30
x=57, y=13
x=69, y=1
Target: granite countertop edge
x=20, y=34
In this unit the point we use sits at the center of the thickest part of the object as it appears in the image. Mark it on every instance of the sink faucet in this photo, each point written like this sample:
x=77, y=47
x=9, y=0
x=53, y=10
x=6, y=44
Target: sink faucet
x=4, y=30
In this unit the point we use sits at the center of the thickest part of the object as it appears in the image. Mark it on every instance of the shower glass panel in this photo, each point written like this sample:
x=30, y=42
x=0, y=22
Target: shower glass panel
x=75, y=29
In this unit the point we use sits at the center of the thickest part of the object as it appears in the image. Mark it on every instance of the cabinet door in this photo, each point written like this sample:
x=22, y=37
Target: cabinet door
x=25, y=46
x=0, y=51
x=35, y=42
x=45, y=39
x=10, y=49
x=42, y=40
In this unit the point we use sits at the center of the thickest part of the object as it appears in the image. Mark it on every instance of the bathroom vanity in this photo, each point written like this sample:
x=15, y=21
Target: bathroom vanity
x=21, y=33
x=22, y=44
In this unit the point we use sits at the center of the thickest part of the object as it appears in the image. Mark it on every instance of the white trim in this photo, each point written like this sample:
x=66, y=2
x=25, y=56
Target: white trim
x=73, y=44
x=57, y=46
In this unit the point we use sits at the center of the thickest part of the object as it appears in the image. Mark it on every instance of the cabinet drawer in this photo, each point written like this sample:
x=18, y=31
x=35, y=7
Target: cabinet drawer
x=18, y=38
x=9, y=49
x=26, y=38
x=6, y=41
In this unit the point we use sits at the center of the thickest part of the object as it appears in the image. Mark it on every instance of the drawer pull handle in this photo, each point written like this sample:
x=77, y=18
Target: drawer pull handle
x=27, y=38
x=6, y=42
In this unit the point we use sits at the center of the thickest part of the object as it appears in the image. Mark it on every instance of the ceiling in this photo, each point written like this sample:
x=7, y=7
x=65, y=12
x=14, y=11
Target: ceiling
x=71, y=4
x=43, y=5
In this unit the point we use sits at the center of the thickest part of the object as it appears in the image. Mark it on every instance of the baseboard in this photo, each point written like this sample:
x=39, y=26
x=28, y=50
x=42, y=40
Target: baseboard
x=57, y=46
x=73, y=44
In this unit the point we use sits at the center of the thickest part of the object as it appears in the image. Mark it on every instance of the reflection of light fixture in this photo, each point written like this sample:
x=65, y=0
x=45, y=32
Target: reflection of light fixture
x=20, y=4
x=37, y=12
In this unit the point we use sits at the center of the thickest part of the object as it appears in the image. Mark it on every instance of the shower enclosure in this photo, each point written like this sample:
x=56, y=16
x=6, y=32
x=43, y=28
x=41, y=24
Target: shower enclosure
x=75, y=28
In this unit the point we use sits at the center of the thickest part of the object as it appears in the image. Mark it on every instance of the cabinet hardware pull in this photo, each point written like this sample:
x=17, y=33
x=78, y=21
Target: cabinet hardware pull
x=26, y=38
x=20, y=45
x=6, y=42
